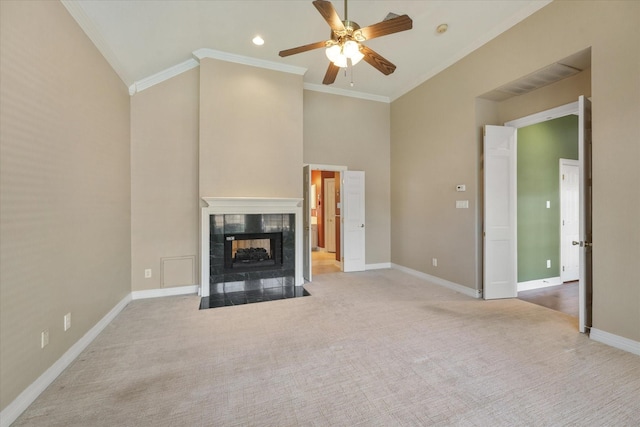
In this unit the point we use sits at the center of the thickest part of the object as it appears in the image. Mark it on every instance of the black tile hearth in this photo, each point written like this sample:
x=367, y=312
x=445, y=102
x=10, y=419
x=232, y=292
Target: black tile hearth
x=252, y=291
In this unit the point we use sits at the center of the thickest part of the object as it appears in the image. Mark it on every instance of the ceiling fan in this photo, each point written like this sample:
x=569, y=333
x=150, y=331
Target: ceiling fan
x=345, y=47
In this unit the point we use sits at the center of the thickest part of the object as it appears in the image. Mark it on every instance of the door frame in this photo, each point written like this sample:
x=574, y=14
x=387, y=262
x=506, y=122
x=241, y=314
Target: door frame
x=540, y=117
x=307, y=208
x=543, y=116
x=327, y=208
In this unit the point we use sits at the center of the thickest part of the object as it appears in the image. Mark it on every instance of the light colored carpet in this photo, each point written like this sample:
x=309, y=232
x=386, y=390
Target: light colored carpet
x=378, y=348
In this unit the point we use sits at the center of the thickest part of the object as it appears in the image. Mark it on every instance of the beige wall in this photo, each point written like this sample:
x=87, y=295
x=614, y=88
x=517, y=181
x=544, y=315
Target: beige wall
x=64, y=188
x=434, y=136
x=164, y=183
x=355, y=133
x=250, y=120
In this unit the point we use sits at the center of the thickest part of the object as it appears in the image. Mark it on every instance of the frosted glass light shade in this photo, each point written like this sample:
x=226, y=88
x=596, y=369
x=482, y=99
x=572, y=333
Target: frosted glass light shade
x=333, y=52
x=350, y=49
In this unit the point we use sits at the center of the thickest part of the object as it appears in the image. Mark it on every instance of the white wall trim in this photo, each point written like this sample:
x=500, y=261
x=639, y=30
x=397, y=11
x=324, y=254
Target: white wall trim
x=379, y=266
x=474, y=293
x=539, y=283
x=165, y=292
x=157, y=78
x=317, y=167
x=500, y=28
x=31, y=393
x=246, y=60
x=616, y=341
x=77, y=12
x=343, y=92
x=543, y=116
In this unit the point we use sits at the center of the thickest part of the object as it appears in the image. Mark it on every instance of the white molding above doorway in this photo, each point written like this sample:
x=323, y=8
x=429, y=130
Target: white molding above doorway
x=543, y=116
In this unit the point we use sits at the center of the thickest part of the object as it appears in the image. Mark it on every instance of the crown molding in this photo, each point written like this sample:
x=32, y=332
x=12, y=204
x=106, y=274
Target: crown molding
x=161, y=76
x=245, y=60
x=344, y=92
x=198, y=55
x=497, y=30
x=88, y=26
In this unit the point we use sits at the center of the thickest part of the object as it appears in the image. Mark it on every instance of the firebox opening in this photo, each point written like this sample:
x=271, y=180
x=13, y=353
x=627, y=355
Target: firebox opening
x=245, y=252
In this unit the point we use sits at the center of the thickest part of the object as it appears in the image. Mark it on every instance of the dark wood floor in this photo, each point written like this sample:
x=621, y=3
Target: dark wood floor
x=562, y=298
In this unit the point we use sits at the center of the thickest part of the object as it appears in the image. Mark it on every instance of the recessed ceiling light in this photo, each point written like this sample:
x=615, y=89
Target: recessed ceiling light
x=258, y=41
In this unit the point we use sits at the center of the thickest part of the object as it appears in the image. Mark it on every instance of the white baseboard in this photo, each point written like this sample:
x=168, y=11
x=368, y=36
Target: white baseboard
x=379, y=266
x=539, y=283
x=474, y=293
x=165, y=292
x=615, y=341
x=31, y=393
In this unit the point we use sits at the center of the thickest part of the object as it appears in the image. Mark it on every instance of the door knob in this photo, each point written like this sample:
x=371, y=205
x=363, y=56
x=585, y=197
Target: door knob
x=361, y=225
x=574, y=243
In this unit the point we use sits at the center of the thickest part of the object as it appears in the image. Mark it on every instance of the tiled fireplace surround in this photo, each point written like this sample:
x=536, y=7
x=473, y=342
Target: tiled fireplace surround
x=226, y=215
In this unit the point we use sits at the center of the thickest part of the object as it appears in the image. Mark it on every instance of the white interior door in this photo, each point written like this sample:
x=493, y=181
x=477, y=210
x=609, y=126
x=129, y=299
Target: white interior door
x=329, y=187
x=353, y=210
x=584, y=158
x=569, y=220
x=500, y=204
x=306, y=223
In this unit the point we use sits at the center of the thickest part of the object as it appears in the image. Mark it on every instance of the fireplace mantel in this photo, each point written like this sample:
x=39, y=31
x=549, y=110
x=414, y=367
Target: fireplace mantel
x=248, y=205
x=241, y=205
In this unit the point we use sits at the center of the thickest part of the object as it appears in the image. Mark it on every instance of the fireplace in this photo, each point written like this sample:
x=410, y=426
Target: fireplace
x=271, y=226
x=252, y=251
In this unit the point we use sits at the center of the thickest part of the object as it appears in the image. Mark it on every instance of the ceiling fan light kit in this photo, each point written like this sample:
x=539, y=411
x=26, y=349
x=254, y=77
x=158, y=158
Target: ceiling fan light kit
x=340, y=53
x=345, y=48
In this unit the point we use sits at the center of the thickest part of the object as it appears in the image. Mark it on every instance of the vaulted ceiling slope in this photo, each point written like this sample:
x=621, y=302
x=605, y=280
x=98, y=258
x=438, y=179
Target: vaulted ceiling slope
x=143, y=38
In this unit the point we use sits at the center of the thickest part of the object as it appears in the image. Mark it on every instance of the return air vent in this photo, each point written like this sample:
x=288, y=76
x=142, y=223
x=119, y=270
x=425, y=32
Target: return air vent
x=561, y=69
x=551, y=74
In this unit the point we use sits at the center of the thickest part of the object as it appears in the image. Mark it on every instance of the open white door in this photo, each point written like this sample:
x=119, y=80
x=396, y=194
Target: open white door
x=584, y=158
x=500, y=204
x=353, y=221
x=306, y=222
x=569, y=220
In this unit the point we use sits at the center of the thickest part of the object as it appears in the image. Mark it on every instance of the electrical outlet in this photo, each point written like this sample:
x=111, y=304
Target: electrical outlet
x=434, y=262
x=548, y=263
x=67, y=321
x=44, y=338
x=147, y=273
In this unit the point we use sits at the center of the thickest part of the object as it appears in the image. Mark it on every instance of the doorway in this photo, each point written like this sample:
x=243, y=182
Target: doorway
x=501, y=213
x=325, y=219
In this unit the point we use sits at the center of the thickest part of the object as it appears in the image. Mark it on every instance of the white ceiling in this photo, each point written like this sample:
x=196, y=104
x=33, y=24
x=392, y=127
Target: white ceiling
x=143, y=38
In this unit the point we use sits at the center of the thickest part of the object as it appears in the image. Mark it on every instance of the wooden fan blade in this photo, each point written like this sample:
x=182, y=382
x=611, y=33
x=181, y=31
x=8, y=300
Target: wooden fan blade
x=390, y=26
x=377, y=61
x=329, y=14
x=332, y=73
x=301, y=49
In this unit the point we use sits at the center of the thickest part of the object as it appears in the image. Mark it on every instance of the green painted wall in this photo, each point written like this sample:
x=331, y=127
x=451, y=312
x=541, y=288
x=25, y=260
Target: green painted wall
x=540, y=148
